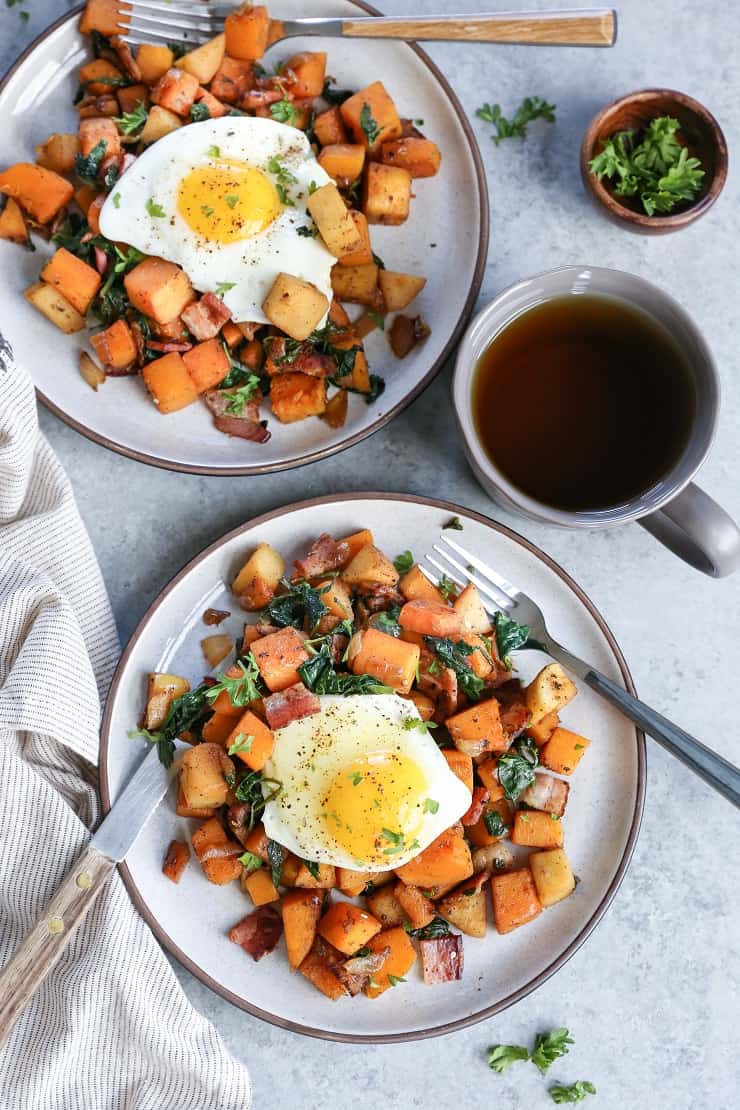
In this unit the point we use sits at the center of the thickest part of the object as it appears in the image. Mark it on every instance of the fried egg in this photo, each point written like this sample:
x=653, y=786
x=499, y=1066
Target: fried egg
x=226, y=200
x=359, y=788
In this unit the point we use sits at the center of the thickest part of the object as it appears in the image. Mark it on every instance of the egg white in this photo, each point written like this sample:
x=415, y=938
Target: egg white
x=309, y=753
x=251, y=264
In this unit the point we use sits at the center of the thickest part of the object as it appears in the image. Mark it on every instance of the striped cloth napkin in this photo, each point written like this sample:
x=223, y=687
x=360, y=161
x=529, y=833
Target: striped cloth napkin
x=110, y=1028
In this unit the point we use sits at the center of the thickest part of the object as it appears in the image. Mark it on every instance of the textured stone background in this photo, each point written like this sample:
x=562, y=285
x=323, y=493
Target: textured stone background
x=650, y=998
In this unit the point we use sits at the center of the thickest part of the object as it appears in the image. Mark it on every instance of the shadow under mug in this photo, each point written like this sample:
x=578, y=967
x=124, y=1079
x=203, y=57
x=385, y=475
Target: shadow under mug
x=674, y=510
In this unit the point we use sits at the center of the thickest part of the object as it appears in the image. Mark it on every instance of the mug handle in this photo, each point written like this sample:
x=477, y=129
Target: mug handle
x=698, y=530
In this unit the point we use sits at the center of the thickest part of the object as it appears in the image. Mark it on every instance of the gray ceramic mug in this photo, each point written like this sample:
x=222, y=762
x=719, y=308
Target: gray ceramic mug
x=674, y=510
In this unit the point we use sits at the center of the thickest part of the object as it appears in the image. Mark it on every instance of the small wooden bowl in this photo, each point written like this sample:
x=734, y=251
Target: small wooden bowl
x=699, y=131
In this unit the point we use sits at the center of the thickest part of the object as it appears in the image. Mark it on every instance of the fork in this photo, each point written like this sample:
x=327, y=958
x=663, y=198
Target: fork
x=195, y=21
x=498, y=594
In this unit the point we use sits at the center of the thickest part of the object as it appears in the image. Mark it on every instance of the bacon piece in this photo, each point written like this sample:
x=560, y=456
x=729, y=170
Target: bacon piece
x=442, y=959
x=547, y=793
x=248, y=328
x=324, y=555
x=258, y=932
x=379, y=598
x=442, y=686
x=245, y=424
x=478, y=804
x=166, y=347
x=226, y=850
x=259, y=98
x=315, y=365
x=513, y=709
x=101, y=260
x=357, y=971
x=176, y=860
x=290, y=705
x=205, y=318
x=127, y=161
x=409, y=130
x=237, y=818
x=215, y=616
x=126, y=58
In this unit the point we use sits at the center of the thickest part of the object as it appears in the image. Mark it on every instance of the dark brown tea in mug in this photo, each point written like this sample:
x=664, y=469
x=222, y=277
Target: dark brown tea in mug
x=583, y=402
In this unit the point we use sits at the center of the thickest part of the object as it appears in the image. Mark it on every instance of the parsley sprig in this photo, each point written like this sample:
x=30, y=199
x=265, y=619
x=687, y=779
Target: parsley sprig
x=131, y=122
x=530, y=109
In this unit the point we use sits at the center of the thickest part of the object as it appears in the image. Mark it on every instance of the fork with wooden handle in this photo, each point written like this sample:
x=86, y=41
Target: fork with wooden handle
x=498, y=594
x=158, y=21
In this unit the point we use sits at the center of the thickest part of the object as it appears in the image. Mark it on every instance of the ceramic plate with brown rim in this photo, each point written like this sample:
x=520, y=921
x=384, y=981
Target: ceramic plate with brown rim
x=192, y=919
x=446, y=237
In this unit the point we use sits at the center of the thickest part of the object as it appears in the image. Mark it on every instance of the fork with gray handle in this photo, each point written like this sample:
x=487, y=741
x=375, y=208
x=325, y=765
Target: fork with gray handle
x=499, y=594
x=195, y=22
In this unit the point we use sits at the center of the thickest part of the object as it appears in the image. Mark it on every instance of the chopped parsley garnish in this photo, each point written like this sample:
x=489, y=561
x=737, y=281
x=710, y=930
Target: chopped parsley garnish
x=241, y=689
x=576, y=1092
x=447, y=588
x=131, y=122
x=369, y=124
x=531, y=108
x=156, y=211
x=223, y=286
x=199, y=112
x=455, y=523
x=404, y=562
x=420, y=726
x=241, y=744
x=395, y=979
x=214, y=151
x=207, y=210
x=232, y=199
x=356, y=778
x=242, y=395
x=502, y=1056
x=87, y=166
x=658, y=169
x=430, y=806
x=250, y=861
x=283, y=111
x=549, y=1047
x=116, y=200
x=312, y=187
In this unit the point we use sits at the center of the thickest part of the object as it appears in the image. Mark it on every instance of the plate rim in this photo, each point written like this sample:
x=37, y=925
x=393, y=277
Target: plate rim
x=408, y=399
x=515, y=996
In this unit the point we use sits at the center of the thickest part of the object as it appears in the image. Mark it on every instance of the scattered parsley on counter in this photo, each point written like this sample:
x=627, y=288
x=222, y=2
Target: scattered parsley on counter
x=576, y=1092
x=530, y=109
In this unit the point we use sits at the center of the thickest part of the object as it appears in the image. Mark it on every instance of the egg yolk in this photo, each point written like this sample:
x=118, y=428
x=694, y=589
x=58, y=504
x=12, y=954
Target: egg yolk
x=374, y=807
x=227, y=202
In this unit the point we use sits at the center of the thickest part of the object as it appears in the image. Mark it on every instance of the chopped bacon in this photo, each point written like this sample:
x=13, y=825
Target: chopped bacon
x=237, y=818
x=176, y=860
x=168, y=346
x=290, y=705
x=139, y=339
x=324, y=555
x=409, y=130
x=260, y=98
x=547, y=793
x=442, y=959
x=220, y=850
x=121, y=372
x=248, y=328
x=125, y=58
x=107, y=164
x=101, y=260
x=245, y=424
x=258, y=932
x=127, y=161
x=478, y=804
x=338, y=646
x=379, y=598
x=513, y=709
x=205, y=318
x=442, y=686
x=315, y=365
x=356, y=972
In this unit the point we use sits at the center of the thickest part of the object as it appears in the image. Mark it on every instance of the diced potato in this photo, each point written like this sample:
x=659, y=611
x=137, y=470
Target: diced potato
x=356, y=284
x=415, y=904
x=205, y=60
x=389, y=660
x=552, y=876
x=329, y=128
x=465, y=906
x=470, y=609
x=370, y=567
x=301, y=912
x=295, y=306
x=159, y=123
x=548, y=692
x=153, y=61
x=386, y=194
x=352, y=882
x=364, y=255
x=542, y=731
x=54, y=307
x=176, y=91
x=399, y=290
x=169, y=383
x=159, y=289
x=215, y=649
x=384, y=906
x=256, y=582
x=335, y=225
x=13, y=226
x=90, y=371
x=247, y=32
x=203, y=774
x=398, y=962
x=493, y=857
x=40, y=192
x=58, y=153
x=308, y=71
x=162, y=690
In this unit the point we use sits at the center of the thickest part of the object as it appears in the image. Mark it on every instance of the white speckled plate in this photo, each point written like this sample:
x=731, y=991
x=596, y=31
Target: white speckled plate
x=601, y=824
x=445, y=238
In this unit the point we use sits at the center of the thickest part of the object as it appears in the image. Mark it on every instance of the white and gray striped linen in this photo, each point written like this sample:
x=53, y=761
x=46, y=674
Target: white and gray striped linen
x=110, y=1029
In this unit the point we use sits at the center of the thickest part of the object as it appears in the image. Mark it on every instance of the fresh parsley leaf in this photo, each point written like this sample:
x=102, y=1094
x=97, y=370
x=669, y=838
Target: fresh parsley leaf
x=131, y=122
x=87, y=166
x=284, y=196
x=232, y=199
x=284, y=112
x=214, y=151
x=369, y=124
x=447, y=588
x=240, y=397
x=356, y=778
x=576, y=1092
x=531, y=108
x=275, y=856
x=312, y=187
x=223, y=286
x=250, y=861
x=455, y=523
x=199, y=112
x=516, y=768
x=658, y=169
x=242, y=689
x=404, y=562
x=420, y=726
x=241, y=744
x=549, y=1047
x=207, y=210
x=394, y=980
x=510, y=635
x=454, y=656
x=502, y=1056
x=494, y=823
x=116, y=200
x=156, y=211
x=430, y=806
